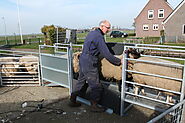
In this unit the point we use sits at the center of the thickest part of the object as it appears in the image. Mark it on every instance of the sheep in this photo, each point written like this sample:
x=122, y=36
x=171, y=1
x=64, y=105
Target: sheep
x=76, y=56
x=8, y=66
x=107, y=70
x=30, y=63
x=163, y=70
x=110, y=71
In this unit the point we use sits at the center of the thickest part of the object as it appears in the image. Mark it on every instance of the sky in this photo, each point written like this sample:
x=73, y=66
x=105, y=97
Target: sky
x=74, y=14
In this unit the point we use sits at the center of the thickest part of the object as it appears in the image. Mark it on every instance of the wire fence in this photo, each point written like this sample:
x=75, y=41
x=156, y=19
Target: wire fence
x=173, y=115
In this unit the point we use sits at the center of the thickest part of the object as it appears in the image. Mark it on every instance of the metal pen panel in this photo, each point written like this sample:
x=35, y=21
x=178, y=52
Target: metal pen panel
x=58, y=77
x=54, y=62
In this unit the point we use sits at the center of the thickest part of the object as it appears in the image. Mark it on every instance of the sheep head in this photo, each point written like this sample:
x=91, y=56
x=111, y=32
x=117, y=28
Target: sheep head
x=133, y=53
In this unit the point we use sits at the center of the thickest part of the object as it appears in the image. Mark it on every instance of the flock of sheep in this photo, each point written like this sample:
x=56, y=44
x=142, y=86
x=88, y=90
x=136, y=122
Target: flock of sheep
x=11, y=66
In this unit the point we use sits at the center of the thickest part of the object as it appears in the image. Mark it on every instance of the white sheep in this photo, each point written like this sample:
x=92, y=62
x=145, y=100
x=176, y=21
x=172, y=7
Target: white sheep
x=76, y=56
x=30, y=63
x=8, y=66
x=107, y=69
x=163, y=70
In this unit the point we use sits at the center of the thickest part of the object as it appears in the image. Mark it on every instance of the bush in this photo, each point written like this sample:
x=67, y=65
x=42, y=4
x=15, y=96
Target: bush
x=131, y=34
x=151, y=40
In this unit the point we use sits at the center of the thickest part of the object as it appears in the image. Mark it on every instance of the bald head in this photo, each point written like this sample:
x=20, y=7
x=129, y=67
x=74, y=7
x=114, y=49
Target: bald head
x=105, y=26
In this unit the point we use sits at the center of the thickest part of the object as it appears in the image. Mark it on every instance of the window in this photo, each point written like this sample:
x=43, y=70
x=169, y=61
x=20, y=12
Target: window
x=150, y=14
x=155, y=26
x=145, y=27
x=161, y=13
x=183, y=29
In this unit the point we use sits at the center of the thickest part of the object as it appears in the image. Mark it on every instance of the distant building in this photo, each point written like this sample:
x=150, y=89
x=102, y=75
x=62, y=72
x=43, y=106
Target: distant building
x=149, y=21
x=175, y=25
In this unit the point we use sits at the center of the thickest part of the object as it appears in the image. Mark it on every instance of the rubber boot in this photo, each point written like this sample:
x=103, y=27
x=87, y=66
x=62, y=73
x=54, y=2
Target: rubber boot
x=73, y=102
x=96, y=108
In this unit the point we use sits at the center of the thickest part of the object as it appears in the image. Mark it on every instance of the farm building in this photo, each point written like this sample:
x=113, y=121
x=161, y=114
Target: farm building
x=175, y=25
x=149, y=21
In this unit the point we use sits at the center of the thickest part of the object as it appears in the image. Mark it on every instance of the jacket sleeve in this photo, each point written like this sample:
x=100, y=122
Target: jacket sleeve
x=104, y=51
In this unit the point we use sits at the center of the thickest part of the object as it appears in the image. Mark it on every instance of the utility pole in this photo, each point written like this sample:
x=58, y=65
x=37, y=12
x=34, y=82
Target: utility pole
x=19, y=21
x=5, y=30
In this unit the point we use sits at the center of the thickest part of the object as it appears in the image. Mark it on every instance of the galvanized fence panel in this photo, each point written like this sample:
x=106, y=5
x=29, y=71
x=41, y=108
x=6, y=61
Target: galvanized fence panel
x=173, y=115
x=72, y=48
x=149, y=99
x=19, y=68
x=55, y=66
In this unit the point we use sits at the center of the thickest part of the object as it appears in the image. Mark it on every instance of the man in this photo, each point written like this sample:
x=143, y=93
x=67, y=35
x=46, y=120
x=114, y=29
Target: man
x=94, y=45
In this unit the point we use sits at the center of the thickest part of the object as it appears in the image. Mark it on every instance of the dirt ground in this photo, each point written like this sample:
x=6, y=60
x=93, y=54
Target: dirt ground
x=50, y=105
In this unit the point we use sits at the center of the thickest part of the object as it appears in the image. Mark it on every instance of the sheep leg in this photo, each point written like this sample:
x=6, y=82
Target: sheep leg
x=136, y=90
x=143, y=91
x=157, y=97
x=169, y=99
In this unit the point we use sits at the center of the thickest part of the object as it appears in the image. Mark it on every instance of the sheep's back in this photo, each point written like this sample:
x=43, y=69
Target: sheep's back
x=109, y=70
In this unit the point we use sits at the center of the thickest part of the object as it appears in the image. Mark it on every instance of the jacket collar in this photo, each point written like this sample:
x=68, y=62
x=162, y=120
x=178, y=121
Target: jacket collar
x=100, y=31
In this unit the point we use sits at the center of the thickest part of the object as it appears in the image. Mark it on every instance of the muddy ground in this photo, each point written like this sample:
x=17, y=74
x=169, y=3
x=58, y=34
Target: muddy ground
x=50, y=105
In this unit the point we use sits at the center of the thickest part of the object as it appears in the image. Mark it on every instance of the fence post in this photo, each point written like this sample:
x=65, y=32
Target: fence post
x=124, y=67
x=182, y=95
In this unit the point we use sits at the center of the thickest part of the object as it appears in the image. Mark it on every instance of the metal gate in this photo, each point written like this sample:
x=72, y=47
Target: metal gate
x=55, y=65
x=19, y=68
x=149, y=100
x=173, y=115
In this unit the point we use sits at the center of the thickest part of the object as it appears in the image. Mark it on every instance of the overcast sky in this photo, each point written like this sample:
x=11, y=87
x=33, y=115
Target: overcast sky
x=76, y=14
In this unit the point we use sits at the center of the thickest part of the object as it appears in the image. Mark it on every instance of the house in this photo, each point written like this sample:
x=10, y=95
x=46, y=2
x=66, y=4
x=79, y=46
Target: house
x=149, y=21
x=174, y=25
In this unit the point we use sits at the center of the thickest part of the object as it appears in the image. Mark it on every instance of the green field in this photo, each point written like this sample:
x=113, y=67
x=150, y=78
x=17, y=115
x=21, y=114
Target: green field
x=32, y=41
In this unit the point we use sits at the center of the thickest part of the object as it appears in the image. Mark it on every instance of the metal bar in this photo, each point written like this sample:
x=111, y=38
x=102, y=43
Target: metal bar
x=51, y=55
x=156, y=49
x=167, y=112
x=70, y=75
x=23, y=76
x=53, y=69
x=1, y=81
x=163, y=57
x=154, y=62
x=15, y=67
x=160, y=46
x=161, y=89
x=123, y=88
x=23, y=79
x=183, y=84
x=144, y=105
x=155, y=75
x=82, y=100
x=41, y=72
x=56, y=82
x=25, y=85
x=145, y=97
x=21, y=72
x=11, y=54
x=15, y=51
x=27, y=82
x=16, y=62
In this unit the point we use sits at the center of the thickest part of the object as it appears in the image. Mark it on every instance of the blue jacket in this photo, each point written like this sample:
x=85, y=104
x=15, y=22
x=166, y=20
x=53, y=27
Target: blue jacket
x=95, y=44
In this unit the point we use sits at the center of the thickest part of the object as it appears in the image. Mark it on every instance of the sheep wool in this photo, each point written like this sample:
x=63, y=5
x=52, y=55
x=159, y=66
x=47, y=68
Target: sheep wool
x=30, y=63
x=163, y=70
x=110, y=71
x=8, y=66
